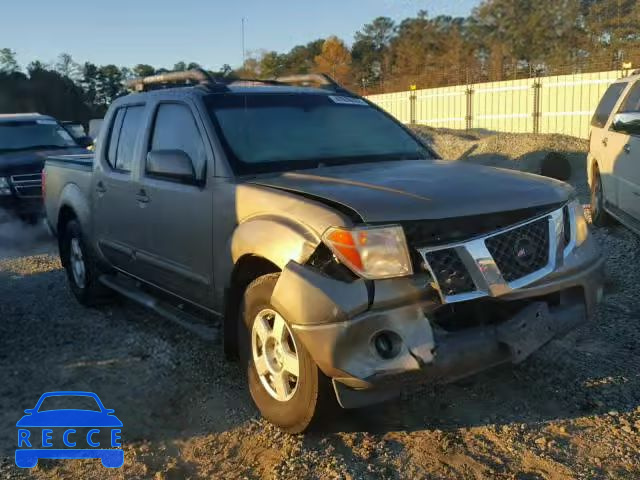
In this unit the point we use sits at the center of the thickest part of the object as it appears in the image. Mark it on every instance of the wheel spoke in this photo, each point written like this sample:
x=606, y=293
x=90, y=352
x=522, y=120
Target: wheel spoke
x=281, y=384
x=260, y=363
x=290, y=363
x=262, y=329
x=279, y=328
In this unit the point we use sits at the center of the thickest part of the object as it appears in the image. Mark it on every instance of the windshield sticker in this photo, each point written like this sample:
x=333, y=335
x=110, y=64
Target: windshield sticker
x=46, y=122
x=348, y=100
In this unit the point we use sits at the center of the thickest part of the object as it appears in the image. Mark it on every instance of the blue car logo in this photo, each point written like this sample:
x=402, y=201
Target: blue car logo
x=40, y=430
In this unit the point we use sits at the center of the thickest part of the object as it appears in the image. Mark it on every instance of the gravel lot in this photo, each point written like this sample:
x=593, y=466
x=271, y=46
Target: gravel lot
x=572, y=410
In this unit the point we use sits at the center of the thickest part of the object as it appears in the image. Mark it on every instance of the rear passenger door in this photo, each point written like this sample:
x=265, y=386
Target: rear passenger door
x=115, y=221
x=625, y=147
x=178, y=217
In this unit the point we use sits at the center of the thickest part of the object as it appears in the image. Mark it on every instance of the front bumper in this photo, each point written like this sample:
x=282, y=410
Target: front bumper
x=337, y=323
x=22, y=206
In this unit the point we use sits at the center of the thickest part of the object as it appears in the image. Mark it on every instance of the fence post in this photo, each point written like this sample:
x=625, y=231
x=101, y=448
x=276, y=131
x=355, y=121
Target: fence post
x=537, y=85
x=469, y=116
x=412, y=104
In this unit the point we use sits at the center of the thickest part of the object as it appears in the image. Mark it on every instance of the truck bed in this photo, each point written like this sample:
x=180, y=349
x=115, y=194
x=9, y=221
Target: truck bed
x=66, y=176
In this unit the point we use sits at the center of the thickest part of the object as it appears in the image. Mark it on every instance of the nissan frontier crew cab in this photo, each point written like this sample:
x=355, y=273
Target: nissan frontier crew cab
x=343, y=258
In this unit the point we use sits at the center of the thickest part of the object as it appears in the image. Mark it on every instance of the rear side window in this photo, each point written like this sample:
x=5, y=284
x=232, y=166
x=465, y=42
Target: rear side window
x=126, y=127
x=176, y=129
x=608, y=101
x=632, y=102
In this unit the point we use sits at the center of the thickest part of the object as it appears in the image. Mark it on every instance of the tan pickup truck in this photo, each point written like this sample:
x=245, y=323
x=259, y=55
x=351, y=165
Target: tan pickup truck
x=342, y=257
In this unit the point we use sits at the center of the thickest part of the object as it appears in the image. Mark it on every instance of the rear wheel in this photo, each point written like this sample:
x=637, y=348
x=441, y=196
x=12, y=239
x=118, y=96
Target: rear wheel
x=285, y=383
x=81, y=266
x=599, y=216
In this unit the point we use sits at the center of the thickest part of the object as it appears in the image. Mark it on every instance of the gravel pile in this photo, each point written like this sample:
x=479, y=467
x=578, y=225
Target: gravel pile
x=572, y=410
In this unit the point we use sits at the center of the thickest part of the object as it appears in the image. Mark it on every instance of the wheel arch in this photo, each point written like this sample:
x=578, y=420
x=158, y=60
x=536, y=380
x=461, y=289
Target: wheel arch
x=248, y=267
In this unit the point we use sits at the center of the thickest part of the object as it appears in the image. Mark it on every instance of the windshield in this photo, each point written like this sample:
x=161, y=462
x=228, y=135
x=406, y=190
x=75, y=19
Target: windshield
x=276, y=132
x=66, y=402
x=33, y=134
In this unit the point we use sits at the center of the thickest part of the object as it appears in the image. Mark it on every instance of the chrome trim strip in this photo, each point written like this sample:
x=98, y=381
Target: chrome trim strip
x=483, y=269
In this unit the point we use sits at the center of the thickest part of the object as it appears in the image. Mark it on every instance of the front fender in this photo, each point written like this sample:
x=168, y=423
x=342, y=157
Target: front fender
x=276, y=239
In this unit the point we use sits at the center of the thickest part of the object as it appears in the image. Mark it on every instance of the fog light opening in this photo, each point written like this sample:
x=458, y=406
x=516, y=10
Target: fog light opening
x=387, y=344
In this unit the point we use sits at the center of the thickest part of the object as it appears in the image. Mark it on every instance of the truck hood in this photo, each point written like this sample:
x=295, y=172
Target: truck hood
x=30, y=161
x=421, y=190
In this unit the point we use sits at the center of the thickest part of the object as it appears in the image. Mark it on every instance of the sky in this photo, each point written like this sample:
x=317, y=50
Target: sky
x=162, y=32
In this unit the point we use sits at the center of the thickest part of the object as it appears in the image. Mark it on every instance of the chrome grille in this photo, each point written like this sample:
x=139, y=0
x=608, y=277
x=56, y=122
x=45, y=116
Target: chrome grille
x=28, y=185
x=451, y=274
x=499, y=262
x=521, y=251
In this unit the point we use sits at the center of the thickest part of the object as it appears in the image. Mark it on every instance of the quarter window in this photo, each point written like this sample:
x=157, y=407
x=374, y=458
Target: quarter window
x=608, y=101
x=176, y=129
x=632, y=102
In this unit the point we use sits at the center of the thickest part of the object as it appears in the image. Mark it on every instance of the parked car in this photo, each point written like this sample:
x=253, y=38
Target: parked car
x=614, y=155
x=344, y=258
x=79, y=134
x=25, y=141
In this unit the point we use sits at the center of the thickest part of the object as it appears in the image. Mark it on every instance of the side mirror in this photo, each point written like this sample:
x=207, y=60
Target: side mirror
x=171, y=165
x=29, y=411
x=627, y=123
x=85, y=142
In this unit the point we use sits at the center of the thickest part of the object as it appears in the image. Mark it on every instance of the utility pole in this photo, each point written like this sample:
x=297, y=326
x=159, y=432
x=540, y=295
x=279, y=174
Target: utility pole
x=244, y=55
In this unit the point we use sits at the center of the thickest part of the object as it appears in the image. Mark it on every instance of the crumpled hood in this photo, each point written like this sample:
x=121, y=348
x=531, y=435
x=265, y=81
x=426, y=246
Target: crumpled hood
x=421, y=190
x=29, y=161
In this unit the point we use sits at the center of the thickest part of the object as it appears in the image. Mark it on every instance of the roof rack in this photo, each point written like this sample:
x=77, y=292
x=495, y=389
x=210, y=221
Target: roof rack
x=200, y=77
x=321, y=80
x=196, y=76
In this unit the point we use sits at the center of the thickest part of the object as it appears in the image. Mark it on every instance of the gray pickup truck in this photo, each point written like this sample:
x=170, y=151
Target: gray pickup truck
x=342, y=257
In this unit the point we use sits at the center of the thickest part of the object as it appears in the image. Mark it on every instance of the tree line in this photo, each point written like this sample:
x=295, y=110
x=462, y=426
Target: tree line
x=500, y=39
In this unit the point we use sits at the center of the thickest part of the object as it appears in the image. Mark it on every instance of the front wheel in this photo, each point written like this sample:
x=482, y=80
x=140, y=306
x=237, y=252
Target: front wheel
x=599, y=216
x=285, y=383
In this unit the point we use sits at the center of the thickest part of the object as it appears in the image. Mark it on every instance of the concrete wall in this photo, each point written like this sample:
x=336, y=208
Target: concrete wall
x=559, y=104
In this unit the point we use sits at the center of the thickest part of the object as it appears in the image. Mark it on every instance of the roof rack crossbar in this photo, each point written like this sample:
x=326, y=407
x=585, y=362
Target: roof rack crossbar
x=196, y=76
x=307, y=79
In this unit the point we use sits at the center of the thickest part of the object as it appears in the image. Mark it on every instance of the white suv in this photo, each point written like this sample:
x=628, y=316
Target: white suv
x=613, y=162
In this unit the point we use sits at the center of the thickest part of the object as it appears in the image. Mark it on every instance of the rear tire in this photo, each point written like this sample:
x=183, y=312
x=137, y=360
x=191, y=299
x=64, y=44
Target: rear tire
x=266, y=339
x=82, y=268
x=599, y=216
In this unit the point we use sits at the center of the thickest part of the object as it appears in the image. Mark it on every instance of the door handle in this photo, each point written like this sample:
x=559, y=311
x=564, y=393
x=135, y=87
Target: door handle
x=604, y=141
x=627, y=148
x=142, y=197
x=100, y=188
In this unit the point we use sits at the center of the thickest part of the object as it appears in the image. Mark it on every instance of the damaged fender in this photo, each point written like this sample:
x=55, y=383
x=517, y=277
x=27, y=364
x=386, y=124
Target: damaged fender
x=339, y=330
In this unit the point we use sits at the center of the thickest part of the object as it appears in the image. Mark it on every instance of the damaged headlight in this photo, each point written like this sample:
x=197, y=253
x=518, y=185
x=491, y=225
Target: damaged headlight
x=4, y=186
x=371, y=252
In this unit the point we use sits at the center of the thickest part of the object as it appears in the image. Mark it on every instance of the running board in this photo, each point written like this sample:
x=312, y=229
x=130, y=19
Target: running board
x=130, y=290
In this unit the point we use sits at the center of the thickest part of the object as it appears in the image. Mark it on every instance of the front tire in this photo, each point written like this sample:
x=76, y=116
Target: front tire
x=81, y=267
x=284, y=381
x=599, y=216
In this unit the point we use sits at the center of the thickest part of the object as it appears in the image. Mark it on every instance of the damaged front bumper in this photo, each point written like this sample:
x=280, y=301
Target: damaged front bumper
x=339, y=324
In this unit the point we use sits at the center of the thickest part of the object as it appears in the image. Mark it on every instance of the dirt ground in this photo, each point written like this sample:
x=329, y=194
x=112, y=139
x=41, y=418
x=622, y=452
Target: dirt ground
x=572, y=410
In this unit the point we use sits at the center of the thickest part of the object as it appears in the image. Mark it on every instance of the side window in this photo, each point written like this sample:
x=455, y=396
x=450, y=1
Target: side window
x=632, y=102
x=114, y=135
x=131, y=127
x=176, y=129
x=608, y=101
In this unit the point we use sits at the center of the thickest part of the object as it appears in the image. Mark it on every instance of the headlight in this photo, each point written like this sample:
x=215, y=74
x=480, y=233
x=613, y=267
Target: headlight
x=4, y=186
x=578, y=222
x=371, y=252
